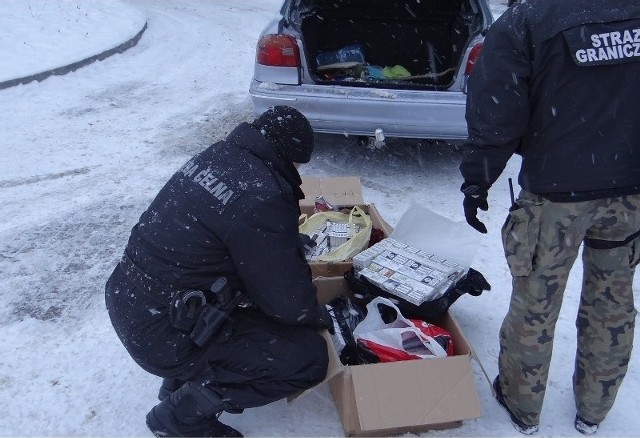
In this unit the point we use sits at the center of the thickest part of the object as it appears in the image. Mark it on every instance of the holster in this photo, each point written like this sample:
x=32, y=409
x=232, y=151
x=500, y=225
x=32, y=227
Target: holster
x=203, y=313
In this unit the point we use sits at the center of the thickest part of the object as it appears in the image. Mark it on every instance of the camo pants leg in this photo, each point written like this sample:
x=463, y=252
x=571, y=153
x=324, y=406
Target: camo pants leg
x=605, y=325
x=541, y=241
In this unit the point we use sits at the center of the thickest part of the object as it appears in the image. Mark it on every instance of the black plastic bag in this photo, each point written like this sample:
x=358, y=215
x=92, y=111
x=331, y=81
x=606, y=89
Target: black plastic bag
x=364, y=291
x=346, y=316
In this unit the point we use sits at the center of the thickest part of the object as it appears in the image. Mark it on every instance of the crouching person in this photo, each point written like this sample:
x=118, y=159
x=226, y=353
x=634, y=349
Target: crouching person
x=213, y=292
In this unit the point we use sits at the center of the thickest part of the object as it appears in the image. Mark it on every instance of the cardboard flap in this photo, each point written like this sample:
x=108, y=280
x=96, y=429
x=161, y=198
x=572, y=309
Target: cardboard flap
x=426, y=230
x=408, y=393
x=339, y=191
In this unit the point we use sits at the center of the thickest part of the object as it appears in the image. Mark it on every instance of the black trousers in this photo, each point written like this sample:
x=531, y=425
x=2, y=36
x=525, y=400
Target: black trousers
x=252, y=361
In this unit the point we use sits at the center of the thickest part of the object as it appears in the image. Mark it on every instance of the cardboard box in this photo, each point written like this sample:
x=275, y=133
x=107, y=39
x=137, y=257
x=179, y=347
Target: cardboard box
x=342, y=192
x=389, y=398
x=339, y=191
x=397, y=397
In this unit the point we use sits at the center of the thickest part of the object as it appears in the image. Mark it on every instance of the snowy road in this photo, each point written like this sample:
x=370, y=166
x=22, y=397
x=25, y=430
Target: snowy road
x=86, y=153
x=83, y=163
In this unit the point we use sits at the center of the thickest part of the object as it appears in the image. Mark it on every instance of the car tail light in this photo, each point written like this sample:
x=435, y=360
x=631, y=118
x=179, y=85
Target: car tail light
x=278, y=50
x=473, y=57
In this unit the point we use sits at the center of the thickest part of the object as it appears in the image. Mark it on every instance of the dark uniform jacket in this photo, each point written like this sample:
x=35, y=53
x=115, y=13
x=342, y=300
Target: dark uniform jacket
x=230, y=211
x=557, y=82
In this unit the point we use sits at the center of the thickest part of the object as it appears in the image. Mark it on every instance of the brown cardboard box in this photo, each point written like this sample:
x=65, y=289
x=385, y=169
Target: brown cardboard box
x=410, y=396
x=389, y=398
x=340, y=192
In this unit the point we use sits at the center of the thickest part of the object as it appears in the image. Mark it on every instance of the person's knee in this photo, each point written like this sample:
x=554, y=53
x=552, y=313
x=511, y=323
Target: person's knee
x=260, y=349
x=300, y=358
x=315, y=357
x=321, y=350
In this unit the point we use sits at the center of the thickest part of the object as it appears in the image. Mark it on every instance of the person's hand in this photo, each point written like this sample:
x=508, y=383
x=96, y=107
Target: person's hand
x=325, y=320
x=473, y=283
x=475, y=198
x=306, y=240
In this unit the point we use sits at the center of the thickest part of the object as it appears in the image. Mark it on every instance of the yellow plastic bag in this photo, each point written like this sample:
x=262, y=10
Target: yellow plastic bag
x=355, y=244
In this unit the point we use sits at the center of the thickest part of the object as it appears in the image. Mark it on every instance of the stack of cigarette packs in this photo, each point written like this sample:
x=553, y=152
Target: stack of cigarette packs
x=409, y=273
x=330, y=236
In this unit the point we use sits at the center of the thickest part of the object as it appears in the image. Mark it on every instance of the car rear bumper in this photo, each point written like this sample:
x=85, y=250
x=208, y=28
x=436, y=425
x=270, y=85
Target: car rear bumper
x=360, y=111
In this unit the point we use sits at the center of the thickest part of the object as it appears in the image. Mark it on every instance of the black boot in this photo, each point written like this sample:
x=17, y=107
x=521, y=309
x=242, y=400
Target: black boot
x=168, y=386
x=190, y=411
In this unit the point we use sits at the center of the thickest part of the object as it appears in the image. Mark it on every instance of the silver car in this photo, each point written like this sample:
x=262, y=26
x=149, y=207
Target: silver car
x=395, y=68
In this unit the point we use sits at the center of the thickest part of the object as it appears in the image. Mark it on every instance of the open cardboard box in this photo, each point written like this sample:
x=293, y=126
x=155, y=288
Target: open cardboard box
x=340, y=192
x=393, y=398
x=390, y=398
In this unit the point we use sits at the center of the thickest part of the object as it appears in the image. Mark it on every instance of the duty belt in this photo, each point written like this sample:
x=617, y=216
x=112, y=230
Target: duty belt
x=189, y=310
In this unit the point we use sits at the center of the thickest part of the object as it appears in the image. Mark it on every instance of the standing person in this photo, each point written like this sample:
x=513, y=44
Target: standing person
x=225, y=224
x=557, y=83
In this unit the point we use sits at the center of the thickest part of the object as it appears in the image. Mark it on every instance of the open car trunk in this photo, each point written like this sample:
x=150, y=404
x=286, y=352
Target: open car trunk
x=387, y=43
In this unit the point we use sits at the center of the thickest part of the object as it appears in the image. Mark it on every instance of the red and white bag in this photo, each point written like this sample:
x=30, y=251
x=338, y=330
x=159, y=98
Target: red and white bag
x=403, y=338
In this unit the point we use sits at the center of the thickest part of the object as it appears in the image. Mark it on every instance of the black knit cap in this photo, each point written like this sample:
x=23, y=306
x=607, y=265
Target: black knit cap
x=289, y=131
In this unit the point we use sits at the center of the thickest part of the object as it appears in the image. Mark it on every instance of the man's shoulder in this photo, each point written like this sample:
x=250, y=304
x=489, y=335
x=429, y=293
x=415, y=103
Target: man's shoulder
x=547, y=18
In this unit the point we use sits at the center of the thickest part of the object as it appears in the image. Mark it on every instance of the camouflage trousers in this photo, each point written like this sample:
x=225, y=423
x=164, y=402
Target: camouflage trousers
x=541, y=241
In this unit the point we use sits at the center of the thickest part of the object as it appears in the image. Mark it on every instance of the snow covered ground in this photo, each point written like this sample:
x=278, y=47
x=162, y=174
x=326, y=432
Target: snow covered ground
x=82, y=156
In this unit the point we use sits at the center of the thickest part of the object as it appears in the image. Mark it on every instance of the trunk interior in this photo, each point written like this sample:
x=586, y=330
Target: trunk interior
x=427, y=38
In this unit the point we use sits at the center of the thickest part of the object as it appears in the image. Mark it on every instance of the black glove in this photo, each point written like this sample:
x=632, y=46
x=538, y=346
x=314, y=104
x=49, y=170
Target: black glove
x=474, y=283
x=306, y=240
x=475, y=197
x=324, y=319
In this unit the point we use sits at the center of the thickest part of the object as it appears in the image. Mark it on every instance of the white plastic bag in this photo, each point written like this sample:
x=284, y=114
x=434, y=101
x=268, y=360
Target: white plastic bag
x=400, y=339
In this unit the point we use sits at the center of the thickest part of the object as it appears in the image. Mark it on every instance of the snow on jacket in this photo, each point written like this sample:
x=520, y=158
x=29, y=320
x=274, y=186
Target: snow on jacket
x=557, y=82
x=232, y=211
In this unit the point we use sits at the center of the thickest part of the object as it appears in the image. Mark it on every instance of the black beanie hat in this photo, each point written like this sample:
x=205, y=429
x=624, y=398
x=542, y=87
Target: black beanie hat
x=289, y=131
